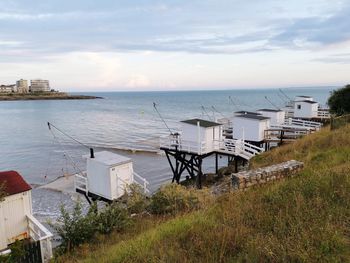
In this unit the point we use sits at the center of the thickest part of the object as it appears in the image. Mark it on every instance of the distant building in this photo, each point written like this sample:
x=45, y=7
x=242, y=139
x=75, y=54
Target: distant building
x=39, y=85
x=8, y=88
x=22, y=86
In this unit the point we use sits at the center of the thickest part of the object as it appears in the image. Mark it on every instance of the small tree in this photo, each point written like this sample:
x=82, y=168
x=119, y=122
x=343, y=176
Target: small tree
x=339, y=101
x=75, y=228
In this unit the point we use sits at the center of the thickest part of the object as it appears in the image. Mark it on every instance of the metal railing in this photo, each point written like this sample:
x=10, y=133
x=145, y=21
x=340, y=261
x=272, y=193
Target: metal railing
x=40, y=233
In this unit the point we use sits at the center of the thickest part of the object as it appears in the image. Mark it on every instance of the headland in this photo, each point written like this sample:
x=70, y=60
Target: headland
x=44, y=96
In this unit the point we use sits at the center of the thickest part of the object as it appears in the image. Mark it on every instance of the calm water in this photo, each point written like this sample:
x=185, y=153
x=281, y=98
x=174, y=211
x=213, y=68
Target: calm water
x=124, y=120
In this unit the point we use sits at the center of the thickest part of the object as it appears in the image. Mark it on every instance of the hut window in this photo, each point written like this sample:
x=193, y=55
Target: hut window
x=299, y=107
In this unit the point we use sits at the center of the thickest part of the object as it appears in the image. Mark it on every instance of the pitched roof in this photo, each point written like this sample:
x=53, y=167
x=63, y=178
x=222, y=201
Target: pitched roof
x=270, y=110
x=202, y=123
x=254, y=117
x=109, y=158
x=247, y=112
x=14, y=182
x=303, y=96
x=308, y=101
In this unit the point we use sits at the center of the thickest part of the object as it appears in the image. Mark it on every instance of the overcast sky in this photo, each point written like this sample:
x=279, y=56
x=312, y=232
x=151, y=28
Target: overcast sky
x=88, y=45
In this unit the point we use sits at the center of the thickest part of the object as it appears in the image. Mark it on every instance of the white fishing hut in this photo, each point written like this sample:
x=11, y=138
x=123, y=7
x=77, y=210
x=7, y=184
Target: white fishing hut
x=16, y=219
x=250, y=127
x=305, y=109
x=199, y=135
x=277, y=117
x=107, y=176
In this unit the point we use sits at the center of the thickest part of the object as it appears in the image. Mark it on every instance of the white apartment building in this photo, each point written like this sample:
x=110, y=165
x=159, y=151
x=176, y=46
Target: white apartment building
x=22, y=86
x=39, y=85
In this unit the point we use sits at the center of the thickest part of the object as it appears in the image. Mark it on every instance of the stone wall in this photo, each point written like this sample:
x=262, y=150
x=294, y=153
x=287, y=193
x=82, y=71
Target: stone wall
x=246, y=179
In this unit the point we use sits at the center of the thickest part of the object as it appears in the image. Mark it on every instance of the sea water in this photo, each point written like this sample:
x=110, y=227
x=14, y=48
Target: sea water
x=122, y=121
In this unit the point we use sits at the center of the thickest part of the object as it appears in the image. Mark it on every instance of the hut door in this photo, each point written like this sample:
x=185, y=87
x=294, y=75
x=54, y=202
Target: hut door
x=15, y=221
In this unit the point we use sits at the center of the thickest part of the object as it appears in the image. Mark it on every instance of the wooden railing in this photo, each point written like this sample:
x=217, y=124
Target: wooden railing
x=303, y=123
x=141, y=182
x=184, y=145
x=323, y=113
x=340, y=121
x=40, y=233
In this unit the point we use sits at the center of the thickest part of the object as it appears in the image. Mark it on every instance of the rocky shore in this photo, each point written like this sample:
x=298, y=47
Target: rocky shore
x=45, y=96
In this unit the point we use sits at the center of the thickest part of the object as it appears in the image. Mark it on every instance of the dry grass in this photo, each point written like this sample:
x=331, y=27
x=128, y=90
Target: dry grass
x=301, y=219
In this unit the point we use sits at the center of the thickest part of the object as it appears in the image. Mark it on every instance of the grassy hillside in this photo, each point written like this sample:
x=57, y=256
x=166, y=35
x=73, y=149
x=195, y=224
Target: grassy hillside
x=301, y=219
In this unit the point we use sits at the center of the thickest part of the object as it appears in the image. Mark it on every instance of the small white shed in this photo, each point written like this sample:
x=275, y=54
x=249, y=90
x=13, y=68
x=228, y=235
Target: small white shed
x=305, y=109
x=250, y=127
x=276, y=116
x=200, y=135
x=108, y=174
x=16, y=219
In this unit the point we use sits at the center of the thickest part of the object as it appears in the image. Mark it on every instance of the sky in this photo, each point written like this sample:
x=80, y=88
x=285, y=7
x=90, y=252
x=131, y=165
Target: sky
x=107, y=45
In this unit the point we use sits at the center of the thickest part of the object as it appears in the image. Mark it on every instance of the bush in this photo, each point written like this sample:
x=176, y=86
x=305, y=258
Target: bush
x=175, y=198
x=113, y=217
x=136, y=199
x=339, y=101
x=77, y=228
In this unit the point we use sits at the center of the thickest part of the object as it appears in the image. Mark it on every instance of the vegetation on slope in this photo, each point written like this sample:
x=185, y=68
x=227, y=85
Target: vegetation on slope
x=301, y=219
x=339, y=101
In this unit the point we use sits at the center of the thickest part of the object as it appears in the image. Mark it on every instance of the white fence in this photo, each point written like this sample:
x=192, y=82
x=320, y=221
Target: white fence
x=231, y=146
x=81, y=183
x=38, y=232
x=303, y=123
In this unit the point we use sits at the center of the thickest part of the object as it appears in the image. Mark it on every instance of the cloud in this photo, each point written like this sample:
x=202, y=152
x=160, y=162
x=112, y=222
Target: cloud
x=315, y=31
x=194, y=27
x=138, y=81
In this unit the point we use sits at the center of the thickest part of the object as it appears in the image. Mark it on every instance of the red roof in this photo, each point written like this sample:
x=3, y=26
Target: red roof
x=14, y=182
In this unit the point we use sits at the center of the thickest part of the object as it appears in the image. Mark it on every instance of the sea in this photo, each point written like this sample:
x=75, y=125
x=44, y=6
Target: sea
x=124, y=122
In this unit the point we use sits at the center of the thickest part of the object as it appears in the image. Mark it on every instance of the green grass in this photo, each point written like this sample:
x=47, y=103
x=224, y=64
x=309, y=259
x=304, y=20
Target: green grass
x=301, y=219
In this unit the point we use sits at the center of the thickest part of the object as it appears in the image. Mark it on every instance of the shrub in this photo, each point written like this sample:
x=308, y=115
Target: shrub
x=136, y=200
x=339, y=101
x=75, y=228
x=175, y=198
x=113, y=217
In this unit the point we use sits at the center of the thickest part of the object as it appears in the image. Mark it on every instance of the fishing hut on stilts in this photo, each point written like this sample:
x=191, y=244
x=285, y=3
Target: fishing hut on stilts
x=197, y=140
x=107, y=174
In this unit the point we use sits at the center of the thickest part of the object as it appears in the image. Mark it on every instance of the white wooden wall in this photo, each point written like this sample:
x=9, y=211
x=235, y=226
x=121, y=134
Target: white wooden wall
x=13, y=221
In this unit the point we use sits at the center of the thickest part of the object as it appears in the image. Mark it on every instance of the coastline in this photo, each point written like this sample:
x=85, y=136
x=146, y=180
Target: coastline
x=48, y=96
